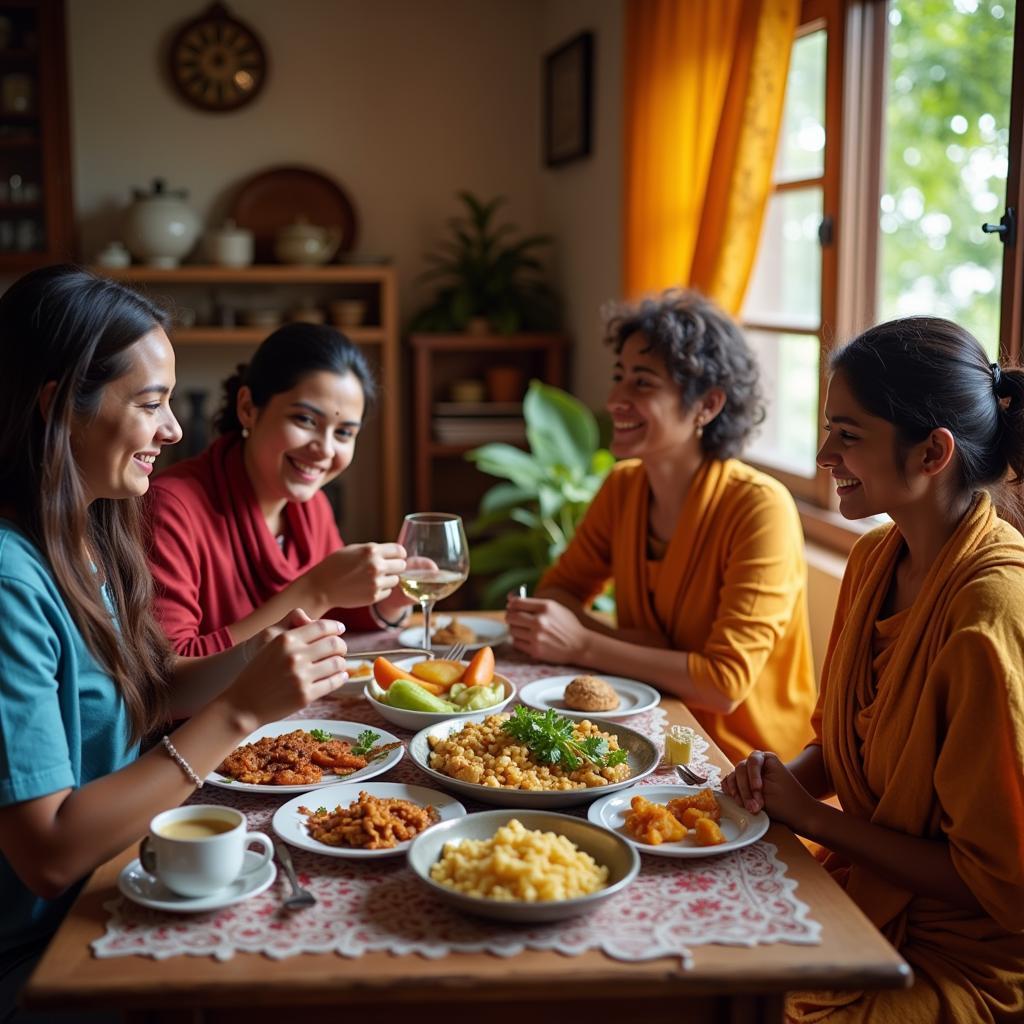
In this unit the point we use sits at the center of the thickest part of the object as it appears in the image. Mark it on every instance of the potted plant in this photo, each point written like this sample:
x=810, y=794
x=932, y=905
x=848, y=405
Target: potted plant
x=547, y=491
x=486, y=274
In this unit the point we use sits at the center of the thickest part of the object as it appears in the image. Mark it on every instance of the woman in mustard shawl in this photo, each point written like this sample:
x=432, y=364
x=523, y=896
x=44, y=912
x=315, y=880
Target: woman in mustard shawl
x=920, y=722
x=706, y=553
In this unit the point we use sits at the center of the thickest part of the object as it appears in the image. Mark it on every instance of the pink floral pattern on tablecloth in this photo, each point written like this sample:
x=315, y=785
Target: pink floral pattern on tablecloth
x=742, y=898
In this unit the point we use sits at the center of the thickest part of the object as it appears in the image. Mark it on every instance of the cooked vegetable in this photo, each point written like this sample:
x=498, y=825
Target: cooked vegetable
x=387, y=673
x=438, y=671
x=413, y=697
x=480, y=670
x=549, y=738
x=476, y=698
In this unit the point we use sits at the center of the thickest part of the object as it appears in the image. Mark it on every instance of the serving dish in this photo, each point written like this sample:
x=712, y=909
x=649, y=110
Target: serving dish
x=290, y=824
x=605, y=847
x=643, y=757
x=338, y=730
x=739, y=826
x=489, y=633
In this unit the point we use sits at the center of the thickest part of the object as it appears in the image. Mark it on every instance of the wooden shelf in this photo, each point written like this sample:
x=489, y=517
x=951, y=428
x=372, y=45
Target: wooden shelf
x=254, y=335
x=256, y=274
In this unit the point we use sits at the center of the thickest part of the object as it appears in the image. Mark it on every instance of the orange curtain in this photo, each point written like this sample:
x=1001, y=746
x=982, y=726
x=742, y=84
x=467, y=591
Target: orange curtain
x=705, y=84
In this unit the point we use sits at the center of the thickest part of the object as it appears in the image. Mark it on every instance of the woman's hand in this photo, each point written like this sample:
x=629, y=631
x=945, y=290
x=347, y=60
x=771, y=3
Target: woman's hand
x=762, y=782
x=545, y=629
x=293, y=663
x=360, y=574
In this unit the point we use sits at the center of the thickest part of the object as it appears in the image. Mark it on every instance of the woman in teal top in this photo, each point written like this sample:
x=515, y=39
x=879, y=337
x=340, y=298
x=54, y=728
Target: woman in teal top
x=86, y=374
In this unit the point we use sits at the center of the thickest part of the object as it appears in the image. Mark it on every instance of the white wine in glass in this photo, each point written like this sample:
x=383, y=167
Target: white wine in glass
x=438, y=560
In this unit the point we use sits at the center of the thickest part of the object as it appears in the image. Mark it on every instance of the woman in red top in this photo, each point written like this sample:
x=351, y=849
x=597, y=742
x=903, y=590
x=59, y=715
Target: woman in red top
x=242, y=533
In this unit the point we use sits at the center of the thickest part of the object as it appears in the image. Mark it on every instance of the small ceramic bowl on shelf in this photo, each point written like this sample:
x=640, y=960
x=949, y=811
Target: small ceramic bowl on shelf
x=265, y=318
x=348, y=312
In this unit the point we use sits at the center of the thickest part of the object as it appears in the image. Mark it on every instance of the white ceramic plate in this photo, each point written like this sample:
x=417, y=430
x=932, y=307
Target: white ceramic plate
x=643, y=759
x=290, y=824
x=634, y=697
x=489, y=632
x=740, y=827
x=142, y=887
x=338, y=730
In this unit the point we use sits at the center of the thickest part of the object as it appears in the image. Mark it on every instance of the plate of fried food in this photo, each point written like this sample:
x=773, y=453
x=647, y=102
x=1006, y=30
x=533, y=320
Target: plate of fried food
x=678, y=821
x=587, y=696
x=297, y=755
x=529, y=758
x=363, y=821
x=473, y=631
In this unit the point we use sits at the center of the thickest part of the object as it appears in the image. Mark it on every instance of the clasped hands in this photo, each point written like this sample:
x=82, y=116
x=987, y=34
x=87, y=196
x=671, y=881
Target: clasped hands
x=762, y=782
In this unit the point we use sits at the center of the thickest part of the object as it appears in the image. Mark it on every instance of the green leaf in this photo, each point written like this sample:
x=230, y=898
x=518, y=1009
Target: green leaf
x=503, y=496
x=506, y=460
x=509, y=549
x=498, y=589
x=561, y=430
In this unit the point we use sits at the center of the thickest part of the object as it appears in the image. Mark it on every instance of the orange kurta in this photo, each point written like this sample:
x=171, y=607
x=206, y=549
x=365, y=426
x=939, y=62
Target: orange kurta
x=921, y=721
x=730, y=591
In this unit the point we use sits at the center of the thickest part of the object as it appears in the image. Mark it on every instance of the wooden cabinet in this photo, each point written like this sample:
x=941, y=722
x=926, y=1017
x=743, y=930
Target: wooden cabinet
x=443, y=432
x=369, y=499
x=35, y=156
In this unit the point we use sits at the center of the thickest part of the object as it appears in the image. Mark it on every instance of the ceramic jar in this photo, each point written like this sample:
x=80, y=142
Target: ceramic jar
x=306, y=243
x=161, y=227
x=229, y=246
x=114, y=256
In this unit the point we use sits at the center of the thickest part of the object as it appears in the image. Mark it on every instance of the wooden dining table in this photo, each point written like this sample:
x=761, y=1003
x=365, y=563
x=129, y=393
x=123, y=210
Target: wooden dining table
x=730, y=984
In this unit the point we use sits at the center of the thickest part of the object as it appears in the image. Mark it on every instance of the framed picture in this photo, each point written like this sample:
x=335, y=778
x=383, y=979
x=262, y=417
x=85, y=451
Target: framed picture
x=568, y=79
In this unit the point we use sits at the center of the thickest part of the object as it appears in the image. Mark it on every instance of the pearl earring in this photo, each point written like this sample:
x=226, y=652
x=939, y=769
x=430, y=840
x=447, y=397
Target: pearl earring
x=245, y=431
x=700, y=429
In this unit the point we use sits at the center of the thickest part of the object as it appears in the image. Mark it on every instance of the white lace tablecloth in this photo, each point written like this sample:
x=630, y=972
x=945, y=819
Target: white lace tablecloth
x=742, y=898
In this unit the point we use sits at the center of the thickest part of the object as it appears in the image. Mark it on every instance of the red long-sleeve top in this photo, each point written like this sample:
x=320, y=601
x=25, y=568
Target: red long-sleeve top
x=214, y=561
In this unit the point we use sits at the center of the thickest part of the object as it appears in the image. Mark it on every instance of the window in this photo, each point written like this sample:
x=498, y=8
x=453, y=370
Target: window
x=930, y=150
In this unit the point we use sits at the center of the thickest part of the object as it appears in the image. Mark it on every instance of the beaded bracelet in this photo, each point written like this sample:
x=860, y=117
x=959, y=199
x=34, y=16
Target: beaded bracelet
x=182, y=763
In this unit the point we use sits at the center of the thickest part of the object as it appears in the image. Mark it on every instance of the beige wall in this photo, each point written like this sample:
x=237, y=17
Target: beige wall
x=824, y=574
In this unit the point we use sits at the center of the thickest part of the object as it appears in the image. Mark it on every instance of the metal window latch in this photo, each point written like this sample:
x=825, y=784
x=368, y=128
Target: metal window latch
x=826, y=231
x=1006, y=229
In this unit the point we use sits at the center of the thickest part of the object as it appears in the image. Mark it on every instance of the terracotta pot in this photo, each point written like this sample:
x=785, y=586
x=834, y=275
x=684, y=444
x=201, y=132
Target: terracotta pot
x=505, y=383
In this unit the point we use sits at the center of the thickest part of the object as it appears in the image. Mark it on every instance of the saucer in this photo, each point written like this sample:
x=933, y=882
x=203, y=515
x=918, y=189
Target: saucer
x=142, y=887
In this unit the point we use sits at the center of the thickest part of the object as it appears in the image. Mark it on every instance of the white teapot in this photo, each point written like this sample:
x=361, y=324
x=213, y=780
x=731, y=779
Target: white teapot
x=302, y=242
x=161, y=227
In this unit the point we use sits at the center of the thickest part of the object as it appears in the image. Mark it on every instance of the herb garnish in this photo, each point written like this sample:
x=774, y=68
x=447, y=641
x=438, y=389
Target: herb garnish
x=549, y=737
x=364, y=742
x=321, y=735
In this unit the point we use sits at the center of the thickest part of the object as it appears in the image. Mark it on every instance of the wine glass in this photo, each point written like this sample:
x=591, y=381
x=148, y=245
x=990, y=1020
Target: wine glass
x=437, y=558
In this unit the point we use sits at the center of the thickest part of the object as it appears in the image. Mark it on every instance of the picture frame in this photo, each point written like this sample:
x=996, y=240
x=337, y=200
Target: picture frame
x=568, y=94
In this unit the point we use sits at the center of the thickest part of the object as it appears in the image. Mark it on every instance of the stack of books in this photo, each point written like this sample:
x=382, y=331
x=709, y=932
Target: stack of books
x=472, y=423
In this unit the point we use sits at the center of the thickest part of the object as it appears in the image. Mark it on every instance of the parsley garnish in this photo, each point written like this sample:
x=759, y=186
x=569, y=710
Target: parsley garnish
x=549, y=737
x=364, y=742
x=321, y=735
x=321, y=810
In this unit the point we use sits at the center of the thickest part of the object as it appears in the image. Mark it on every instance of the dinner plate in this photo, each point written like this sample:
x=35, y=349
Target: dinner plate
x=281, y=196
x=643, y=758
x=290, y=824
x=141, y=887
x=740, y=827
x=634, y=697
x=338, y=730
x=489, y=633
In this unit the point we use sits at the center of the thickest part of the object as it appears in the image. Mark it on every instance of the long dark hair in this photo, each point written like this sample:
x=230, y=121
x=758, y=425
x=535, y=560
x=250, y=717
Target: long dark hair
x=921, y=373
x=285, y=357
x=62, y=324
x=702, y=348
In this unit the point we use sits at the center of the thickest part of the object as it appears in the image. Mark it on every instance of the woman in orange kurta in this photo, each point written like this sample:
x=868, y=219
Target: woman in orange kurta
x=706, y=553
x=920, y=722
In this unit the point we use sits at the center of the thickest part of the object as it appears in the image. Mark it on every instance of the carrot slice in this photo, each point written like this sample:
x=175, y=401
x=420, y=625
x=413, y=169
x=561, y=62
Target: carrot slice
x=480, y=670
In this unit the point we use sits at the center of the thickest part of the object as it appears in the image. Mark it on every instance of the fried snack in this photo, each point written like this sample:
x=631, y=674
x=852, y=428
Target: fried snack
x=588, y=693
x=708, y=832
x=518, y=863
x=294, y=759
x=483, y=753
x=370, y=822
x=361, y=671
x=704, y=800
x=454, y=633
x=653, y=823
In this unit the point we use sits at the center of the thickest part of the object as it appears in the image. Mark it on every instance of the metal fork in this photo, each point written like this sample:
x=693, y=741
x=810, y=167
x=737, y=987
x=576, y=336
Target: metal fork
x=300, y=897
x=454, y=653
x=690, y=777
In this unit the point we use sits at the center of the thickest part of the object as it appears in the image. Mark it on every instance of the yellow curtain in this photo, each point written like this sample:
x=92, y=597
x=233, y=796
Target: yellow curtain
x=705, y=84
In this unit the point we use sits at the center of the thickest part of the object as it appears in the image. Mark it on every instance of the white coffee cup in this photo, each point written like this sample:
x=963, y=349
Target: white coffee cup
x=200, y=849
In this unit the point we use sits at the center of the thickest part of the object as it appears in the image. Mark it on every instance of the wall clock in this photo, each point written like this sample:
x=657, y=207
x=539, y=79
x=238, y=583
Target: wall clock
x=217, y=62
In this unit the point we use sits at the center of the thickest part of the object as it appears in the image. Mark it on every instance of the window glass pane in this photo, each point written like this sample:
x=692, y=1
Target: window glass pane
x=785, y=287
x=801, y=152
x=788, y=438
x=945, y=163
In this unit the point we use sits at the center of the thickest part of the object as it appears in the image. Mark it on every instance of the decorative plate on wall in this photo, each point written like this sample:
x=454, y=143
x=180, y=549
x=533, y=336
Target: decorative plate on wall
x=271, y=200
x=217, y=62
